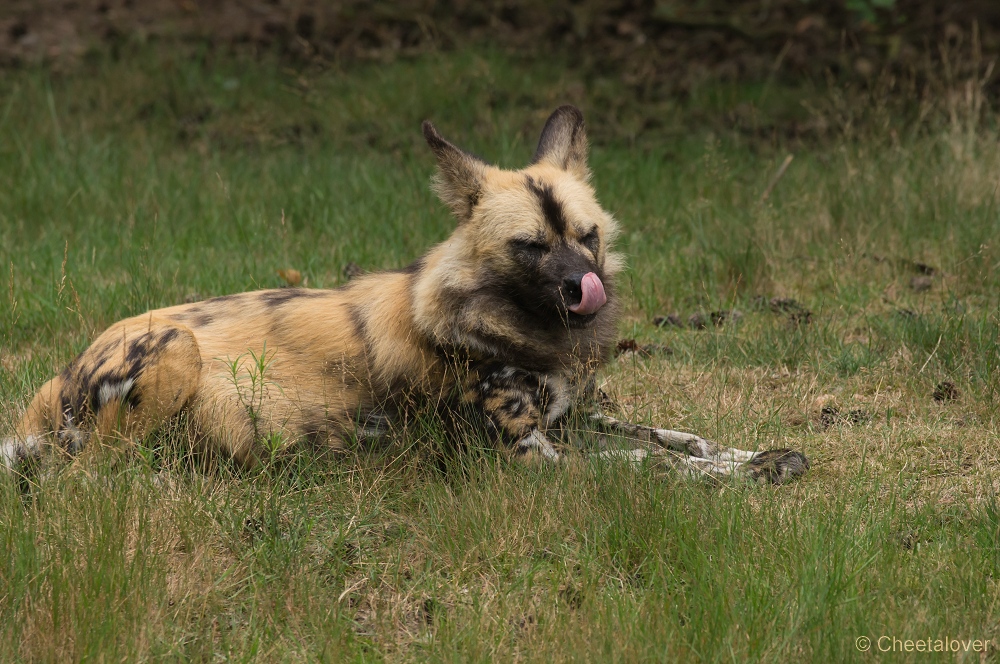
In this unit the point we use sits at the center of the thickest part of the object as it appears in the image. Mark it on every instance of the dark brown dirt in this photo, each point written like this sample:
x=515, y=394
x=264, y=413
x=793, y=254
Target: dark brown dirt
x=946, y=391
x=728, y=316
x=831, y=415
x=657, y=48
x=669, y=320
x=698, y=321
x=648, y=350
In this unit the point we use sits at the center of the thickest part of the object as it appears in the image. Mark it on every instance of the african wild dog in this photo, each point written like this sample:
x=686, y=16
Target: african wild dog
x=508, y=318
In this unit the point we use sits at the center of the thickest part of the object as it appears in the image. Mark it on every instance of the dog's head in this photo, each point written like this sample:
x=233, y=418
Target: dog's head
x=535, y=239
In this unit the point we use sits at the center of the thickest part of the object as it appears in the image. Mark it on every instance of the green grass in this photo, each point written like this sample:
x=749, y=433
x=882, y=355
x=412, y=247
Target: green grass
x=135, y=184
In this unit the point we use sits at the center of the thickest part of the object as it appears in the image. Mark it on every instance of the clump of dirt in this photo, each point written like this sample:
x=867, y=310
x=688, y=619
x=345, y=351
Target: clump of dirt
x=796, y=313
x=648, y=350
x=784, y=305
x=946, y=391
x=701, y=320
x=830, y=415
x=720, y=318
x=697, y=321
x=917, y=266
x=803, y=317
x=572, y=596
x=669, y=320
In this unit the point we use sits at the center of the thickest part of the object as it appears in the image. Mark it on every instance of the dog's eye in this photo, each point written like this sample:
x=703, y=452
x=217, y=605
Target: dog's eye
x=591, y=240
x=529, y=246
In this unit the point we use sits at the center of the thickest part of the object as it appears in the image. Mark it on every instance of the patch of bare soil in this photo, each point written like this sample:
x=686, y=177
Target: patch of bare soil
x=656, y=47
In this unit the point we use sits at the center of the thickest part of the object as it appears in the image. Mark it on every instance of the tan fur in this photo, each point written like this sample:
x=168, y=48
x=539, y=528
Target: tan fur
x=334, y=358
x=490, y=326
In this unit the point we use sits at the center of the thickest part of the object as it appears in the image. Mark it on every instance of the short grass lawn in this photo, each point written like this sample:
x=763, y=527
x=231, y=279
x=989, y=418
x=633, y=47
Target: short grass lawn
x=857, y=311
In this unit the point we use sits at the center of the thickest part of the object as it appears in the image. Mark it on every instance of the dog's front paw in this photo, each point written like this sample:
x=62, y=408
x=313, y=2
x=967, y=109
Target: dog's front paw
x=777, y=466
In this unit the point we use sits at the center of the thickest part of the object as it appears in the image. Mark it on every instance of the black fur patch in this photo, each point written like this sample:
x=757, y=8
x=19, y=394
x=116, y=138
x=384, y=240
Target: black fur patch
x=592, y=241
x=414, y=268
x=553, y=132
x=105, y=353
x=439, y=144
x=511, y=399
x=278, y=297
x=317, y=428
x=358, y=321
x=434, y=139
x=202, y=320
x=223, y=298
x=361, y=330
x=138, y=349
x=83, y=379
x=195, y=317
x=538, y=287
x=551, y=208
x=68, y=406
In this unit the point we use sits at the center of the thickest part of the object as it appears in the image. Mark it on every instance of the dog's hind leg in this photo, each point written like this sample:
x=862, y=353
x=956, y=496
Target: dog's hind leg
x=32, y=431
x=134, y=376
x=694, y=456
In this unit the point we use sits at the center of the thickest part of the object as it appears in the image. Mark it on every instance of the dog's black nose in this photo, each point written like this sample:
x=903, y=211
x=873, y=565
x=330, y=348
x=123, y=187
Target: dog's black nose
x=573, y=288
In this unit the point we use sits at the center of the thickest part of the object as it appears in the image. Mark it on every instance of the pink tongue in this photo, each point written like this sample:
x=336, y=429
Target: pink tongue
x=593, y=295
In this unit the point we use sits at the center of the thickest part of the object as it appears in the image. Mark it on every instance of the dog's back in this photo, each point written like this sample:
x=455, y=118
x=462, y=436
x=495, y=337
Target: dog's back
x=511, y=316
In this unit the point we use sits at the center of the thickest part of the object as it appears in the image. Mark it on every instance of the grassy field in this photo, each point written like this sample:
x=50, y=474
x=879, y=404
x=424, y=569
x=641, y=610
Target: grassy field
x=136, y=184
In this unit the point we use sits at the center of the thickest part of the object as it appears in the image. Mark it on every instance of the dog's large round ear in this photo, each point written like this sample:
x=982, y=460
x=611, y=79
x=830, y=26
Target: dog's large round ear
x=460, y=176
x=564, y=142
